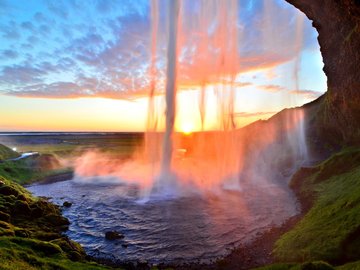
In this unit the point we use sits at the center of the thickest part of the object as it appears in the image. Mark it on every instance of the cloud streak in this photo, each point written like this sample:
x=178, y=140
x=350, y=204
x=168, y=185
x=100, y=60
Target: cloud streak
x=310, y=94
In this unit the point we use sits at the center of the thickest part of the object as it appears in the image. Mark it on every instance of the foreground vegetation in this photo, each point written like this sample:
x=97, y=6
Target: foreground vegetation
x=330, y=229
x=7, y=153
x=31, y=228
x=31, y=233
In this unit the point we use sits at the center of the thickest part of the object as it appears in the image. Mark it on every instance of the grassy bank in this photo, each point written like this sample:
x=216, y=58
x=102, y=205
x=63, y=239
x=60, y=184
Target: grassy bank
x=31, y=233
x=330, y=229
x=30, y=169
x=31, y=228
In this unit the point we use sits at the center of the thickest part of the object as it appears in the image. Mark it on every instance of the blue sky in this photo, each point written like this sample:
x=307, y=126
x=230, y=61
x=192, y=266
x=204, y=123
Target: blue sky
x=101, y=49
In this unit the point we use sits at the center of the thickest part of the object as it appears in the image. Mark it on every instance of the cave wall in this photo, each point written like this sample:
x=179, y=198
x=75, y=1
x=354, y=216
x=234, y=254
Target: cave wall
x=338, y=25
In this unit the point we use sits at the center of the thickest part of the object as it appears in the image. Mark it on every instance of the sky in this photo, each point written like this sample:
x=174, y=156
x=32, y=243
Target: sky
x=84, y=65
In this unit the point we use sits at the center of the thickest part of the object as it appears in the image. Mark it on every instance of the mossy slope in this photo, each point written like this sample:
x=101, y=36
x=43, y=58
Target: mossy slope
x=31, y=233
x=330, y=230
x=318, y=265
x=31, y=169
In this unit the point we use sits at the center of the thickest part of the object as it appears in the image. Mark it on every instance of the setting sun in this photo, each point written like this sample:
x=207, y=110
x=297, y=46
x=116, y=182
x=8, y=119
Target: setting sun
x=187, y=128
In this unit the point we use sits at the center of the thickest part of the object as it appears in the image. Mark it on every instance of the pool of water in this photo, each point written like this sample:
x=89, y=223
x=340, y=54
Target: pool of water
x=194, y=228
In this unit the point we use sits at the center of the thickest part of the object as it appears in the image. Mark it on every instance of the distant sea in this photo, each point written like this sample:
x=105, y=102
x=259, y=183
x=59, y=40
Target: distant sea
x=54, y=133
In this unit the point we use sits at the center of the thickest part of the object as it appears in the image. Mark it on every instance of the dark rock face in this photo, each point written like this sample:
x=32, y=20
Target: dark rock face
x=338, y=24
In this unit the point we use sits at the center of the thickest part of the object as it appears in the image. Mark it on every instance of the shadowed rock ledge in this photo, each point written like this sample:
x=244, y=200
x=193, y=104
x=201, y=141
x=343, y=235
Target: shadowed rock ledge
x=338, y=25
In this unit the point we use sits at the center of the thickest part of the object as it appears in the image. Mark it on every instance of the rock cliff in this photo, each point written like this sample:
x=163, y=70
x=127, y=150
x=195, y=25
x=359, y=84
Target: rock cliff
x=338, y=25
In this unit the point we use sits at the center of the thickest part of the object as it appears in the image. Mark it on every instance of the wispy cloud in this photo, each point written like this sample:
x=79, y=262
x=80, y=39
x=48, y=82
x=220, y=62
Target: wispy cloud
x=104, y=50
x=254, y=114
x=271, y=88
x=310, y=94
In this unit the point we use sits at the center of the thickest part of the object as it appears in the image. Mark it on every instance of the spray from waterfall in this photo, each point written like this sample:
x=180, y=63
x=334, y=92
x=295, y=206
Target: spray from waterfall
x=203, y=53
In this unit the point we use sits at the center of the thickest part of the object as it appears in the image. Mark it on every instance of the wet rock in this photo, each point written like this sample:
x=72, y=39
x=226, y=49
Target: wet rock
x=57, y=220
x=67, y=204
x=74, y=250
x=21, y=208
x=113, y=235
x=7, y=191
x=2, y=183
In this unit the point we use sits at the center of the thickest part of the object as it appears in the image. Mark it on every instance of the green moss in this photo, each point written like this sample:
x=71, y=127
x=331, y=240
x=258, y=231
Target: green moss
x=318, y=265
x=330, y=231
x=20, y=253
x=30, y=233
x=350, y=266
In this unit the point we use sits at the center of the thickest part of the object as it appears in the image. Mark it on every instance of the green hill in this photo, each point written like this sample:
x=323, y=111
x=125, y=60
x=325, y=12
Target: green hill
x=7, y=153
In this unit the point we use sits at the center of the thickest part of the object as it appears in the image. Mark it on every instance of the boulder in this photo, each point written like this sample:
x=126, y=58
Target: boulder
x=57, y=220
x=113, y=235
x=67, y=204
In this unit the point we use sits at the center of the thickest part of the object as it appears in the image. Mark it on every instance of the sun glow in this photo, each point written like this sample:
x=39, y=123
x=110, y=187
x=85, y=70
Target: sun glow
x=187, y=128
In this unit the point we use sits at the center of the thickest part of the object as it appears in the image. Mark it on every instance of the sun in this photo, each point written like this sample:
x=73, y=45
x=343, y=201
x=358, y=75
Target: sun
x=187, y=128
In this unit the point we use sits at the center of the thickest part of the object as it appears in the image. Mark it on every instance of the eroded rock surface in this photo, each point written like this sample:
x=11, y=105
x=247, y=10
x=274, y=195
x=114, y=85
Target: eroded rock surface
x=338, y=24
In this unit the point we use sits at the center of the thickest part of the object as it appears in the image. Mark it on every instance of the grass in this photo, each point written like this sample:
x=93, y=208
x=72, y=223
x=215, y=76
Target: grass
x=330, y=230
x=70, y=145
x=319, y=265
x=7, y=153
x=29, y=170
x=21, y=253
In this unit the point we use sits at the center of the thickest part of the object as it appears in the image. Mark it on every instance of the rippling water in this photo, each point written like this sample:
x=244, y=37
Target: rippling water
x=186, y=229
